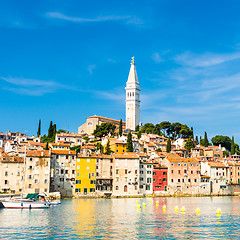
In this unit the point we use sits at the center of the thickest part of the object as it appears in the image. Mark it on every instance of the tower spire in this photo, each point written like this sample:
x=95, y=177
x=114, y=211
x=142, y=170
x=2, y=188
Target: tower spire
x=132, y=98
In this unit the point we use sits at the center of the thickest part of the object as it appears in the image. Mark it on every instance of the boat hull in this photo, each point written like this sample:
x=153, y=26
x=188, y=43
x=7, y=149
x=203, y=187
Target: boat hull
x=25, y=205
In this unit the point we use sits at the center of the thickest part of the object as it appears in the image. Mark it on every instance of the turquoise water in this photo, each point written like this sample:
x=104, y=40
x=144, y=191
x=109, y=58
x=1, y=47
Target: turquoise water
x=121, y=219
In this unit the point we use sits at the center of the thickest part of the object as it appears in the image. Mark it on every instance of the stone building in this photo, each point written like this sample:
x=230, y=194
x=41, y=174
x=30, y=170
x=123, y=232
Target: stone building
x=90, y=125
x=126, y=174
x=37, y=172
x=146, y=177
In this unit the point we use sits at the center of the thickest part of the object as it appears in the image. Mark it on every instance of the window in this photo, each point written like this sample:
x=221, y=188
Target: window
x=61, y=179
x=89, y=123
x=92, y=174
x=92, y=189
x=88, y=160
x=149, y=180
x=141, y=179
x=164, y=179
x=18, y=173
x=195, y=180
x=164, y=173
x=141, y=166
x=6, y=173
x=183, y=180
x=172, y=180
x=154, y=173
x=78, y=190
x=149, y=166
x=116, y=187
x=147, y=187
x=172, y=171
x=189, y=180
x=6, y=182
x=185, y=170
x=154, y=179
x=89, y=175
x=149, y=172
x=30, y=176
x=178, y=180
x=30, y=186
x=66, y=171
x=191, y=171
x=78, y=167
x=73, y=171
x=135, y=171
x=141, y=186
x=36, y=181
x=117, y=171
x=141, y=172
x=30, y=159
x=66, y=157
x=92, y=182
x=78, y=181
x=179, y=171
x=125, y=171
x=45, y=181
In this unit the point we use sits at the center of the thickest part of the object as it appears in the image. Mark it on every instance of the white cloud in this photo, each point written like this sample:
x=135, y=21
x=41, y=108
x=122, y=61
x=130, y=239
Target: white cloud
x=91, y=68
x=205, y=60
x=32, y=87
x=128, y=19
x=157, y=58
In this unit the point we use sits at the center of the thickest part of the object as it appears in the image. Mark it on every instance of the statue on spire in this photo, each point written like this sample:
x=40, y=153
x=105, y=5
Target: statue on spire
x=132, y=60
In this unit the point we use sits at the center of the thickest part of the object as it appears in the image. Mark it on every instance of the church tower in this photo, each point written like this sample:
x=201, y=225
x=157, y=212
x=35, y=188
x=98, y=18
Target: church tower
x=132, y=98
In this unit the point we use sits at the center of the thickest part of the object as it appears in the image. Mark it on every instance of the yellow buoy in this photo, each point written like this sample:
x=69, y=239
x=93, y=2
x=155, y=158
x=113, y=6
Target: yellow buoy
x=138, y=206
x=197, y=211
x=144, y=204
x=164, y=207
x=218, y=211
x=157, y=202
x=183, y=210
x=150, y=200
x=136, y=201
x=176, y=209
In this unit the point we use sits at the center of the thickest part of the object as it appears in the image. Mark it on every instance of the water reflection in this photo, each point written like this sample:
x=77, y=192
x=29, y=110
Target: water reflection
x=122, y=219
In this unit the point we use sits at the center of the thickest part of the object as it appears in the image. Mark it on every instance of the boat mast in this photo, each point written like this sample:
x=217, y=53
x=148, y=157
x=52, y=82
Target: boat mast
x=23, y=179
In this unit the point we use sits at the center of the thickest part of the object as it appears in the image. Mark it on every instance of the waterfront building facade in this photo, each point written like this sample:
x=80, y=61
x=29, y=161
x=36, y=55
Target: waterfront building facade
x=85, y=175
x=159, y=178
x=146, y=177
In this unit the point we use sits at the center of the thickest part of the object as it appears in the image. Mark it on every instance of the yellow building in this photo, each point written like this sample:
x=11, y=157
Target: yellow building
x=117, y=146
x=85, y=175
x=59, y=146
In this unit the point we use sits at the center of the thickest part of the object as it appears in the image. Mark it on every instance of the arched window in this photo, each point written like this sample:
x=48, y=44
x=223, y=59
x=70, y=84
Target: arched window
x=89, y=123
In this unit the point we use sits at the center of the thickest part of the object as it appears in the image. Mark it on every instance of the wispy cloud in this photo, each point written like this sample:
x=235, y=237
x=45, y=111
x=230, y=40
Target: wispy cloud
x=205, y=60
x=32, y=87
x=157, y=58
x=127, y=19
x=91, y=68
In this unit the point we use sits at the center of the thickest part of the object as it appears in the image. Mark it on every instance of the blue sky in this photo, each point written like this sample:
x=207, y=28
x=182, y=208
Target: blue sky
x=67, y=60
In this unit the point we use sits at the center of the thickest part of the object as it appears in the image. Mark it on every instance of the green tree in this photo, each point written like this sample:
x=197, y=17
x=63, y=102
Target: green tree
x=225, y=141
x=232, y=146
x=189, y=144
x=99, y=147
x=137, y=128
x=175, y=129
x=139, y=134
x=165, y=126
x=50, y=130
x=61, y=131
x=148, y=128
x=39, y=128
x=86, y=138
x=76, y=148
x=168, y=145
x=47, y=148
x=159, y=150
x=237, y=151
x=196, y=140
x=129, y=142
x=104, y=129
x=120, y=128
x=54, y=130
x=205, y=141
x=157, y=129
x=225, y=154
x=185, y=132
x=108, y=150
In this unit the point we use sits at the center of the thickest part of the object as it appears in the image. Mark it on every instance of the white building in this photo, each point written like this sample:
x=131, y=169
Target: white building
x=132, y=98
x=146, y=177
x=219, y=176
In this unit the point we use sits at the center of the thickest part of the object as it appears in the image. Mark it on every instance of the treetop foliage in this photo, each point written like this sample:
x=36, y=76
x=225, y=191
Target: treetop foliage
x=104, y=130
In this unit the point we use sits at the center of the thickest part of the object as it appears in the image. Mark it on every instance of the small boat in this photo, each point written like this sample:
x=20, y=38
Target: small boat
x=57, y=202
x=32, y=201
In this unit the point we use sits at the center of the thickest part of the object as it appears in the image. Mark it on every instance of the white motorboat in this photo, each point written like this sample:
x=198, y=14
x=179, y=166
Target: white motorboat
x=31, y=202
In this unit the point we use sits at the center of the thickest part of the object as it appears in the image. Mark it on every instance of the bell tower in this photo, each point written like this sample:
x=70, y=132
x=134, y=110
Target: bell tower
x=132, y=98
